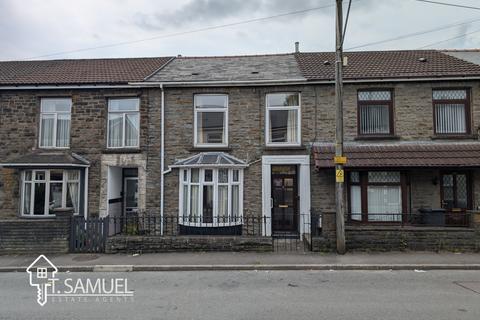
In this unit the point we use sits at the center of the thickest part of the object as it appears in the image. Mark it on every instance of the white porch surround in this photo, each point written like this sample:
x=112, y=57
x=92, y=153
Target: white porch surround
x=303, y=161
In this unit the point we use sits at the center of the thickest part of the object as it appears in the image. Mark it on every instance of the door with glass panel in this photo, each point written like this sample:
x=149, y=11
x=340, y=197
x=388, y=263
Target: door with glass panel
x=455, y=196
x=130, y=195
x=284, y=198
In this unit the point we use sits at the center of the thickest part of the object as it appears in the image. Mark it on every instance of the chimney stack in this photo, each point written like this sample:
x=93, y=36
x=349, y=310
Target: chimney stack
x=297, y=47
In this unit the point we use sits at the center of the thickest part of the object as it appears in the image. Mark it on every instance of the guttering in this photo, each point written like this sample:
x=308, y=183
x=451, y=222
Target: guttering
x=67, y=87
x=296, y=82
x=162, y=156
x=11, y=165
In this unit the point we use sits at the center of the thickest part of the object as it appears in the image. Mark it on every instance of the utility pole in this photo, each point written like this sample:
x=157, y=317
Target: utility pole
x=339, y=158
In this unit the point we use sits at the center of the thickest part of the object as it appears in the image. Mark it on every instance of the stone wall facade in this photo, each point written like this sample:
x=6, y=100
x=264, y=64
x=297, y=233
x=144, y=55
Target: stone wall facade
x=19, y=130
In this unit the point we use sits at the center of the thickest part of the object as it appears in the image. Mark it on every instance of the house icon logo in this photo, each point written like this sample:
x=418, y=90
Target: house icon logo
x=42, y=275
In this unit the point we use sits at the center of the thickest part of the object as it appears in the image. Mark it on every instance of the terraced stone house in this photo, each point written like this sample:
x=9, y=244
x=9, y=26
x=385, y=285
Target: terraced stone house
x=226, y=153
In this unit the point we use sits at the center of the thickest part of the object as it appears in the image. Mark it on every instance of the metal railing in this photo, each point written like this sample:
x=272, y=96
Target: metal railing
x=246, y=225
x=419, y=219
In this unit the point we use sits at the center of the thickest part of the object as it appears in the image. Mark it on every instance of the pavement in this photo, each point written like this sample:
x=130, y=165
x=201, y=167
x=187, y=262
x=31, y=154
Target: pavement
x=217, y=261
x=279, y=295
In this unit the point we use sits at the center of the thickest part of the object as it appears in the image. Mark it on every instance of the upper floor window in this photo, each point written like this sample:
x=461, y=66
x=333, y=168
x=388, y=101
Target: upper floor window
x=55, y=122
x=211, y=120
x=451, y=111
x=375, y=112
x=123, y=123
x=283, y=119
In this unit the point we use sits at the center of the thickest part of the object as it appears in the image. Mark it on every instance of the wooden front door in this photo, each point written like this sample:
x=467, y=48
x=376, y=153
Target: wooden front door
x=455, y=196
x=284, y=198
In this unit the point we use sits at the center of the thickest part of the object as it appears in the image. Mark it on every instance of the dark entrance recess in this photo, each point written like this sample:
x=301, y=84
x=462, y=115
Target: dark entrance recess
x=284, y=199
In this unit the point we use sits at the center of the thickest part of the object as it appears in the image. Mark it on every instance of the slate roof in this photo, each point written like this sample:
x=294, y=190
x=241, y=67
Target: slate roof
x=47, y=158
x=386, y=64
x=205, y=159
x=402, y=155
x=80, y=72
x=230, y=68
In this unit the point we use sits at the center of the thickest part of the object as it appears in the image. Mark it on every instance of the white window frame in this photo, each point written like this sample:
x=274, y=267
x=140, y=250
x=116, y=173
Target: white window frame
x=46, y=212
x=124, y=114
x=195, y=121
x=268, y=143
x=55, y=114
x=215, y=221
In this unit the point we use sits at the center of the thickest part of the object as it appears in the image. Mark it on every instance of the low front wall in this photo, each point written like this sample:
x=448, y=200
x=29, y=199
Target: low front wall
x=151, y=244
x=403, y=238
x=35, y=236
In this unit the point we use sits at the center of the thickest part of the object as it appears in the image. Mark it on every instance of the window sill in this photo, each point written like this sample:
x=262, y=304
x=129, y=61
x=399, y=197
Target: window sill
x=377, y=137
x=454, y=136
x=209, y=148
x=287, y=147
x=122, y=150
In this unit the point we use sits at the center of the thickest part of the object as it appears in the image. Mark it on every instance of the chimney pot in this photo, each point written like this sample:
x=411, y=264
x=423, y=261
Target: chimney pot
x=297, y=46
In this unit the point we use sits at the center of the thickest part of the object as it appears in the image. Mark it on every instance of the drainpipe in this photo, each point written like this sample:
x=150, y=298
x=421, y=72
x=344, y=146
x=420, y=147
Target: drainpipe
x=85, y=196
x=162, y=155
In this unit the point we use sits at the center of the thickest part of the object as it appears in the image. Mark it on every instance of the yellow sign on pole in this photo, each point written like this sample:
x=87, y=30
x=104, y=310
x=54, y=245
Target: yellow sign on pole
x=339, y=175
x=339, y=160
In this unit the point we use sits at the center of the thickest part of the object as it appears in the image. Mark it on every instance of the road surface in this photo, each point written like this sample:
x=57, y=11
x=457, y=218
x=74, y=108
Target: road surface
x=259, y=295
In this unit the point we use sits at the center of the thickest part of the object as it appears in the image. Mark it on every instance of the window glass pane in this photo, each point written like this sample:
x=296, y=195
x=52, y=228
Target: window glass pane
x=185, y=175
x=283, y=99
x=119, y=105
x=283, y=126
x=131, y=130
x=384, y=176
x=355, y=177
x=210, y=127
x=462, y=194
x=27, y=194
x=39, y=199
x=56, y=175
x=450, y=118
x=115, y=130
x=356, y=203
x=63, y=130
x=211, y=101
x=47, y=128
x=235, y=176
x=207, y=204
x=73, y=175
x=55, y=196
x=40, y=175
x=28, y=175
x=223, y=175
x=195, y=174
x=374, y=119
x=374, y=95
x=222, y=203
x=56, y=105
x=185, y=201
x=449, y=94
x=195, y=204
x=73, y=195
x=235, y=201
x=208, y=175
x=384, y=203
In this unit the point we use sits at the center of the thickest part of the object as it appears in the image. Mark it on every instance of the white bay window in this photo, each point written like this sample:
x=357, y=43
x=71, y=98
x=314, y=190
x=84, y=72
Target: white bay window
x=211, y=196
x=45, y=190
x=282, y=119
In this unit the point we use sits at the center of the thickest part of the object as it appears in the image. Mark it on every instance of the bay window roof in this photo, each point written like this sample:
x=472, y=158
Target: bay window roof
x=47, y=159
x=210, y=159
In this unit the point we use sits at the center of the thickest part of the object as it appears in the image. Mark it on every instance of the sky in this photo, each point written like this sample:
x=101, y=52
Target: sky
x=66, y=29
